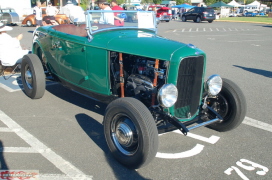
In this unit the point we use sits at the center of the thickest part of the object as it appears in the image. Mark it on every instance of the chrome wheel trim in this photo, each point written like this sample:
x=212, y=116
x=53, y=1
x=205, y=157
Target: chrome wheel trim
x=28, y=23
x=28, y=77
x=124, y=135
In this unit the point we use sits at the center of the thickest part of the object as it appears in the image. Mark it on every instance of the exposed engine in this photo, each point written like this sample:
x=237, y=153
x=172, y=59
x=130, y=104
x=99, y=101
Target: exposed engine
x=140, y=76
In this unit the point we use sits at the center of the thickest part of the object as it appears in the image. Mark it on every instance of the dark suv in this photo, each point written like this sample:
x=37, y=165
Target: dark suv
x=198, y=14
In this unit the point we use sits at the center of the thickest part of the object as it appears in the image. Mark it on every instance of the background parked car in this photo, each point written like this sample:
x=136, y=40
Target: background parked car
x=250, y=14
x=198, y=14
x=151, y=8
x=31, y=21
x=164, y=14
x=9, y=16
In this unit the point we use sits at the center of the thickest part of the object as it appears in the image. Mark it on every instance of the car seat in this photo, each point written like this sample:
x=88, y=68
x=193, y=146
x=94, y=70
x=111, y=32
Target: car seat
x=49, y=21
x=9, y=70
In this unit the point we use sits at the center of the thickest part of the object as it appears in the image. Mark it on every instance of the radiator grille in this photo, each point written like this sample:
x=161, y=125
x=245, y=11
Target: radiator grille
x=189, y=86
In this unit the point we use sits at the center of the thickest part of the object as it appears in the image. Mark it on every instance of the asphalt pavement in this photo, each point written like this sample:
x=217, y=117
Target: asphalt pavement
x=61, y=134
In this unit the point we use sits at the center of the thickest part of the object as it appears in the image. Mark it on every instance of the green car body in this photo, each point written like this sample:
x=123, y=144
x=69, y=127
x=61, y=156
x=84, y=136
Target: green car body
x=85, y=64
x=151, y=84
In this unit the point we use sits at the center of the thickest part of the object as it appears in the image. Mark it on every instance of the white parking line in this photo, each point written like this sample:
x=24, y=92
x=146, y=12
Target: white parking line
x=258, y=124
x=3, y=129
x=19, y=150
x=212, y=140
x=8, y=88
x=194, y=151
x=36, y=146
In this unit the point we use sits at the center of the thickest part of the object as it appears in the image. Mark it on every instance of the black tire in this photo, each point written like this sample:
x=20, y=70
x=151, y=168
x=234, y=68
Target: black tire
x=33, y=77
x=210, y=21
x=130, y=115
x=231, y=105
x=183, y=18
x=167, y=21
x=198, y=19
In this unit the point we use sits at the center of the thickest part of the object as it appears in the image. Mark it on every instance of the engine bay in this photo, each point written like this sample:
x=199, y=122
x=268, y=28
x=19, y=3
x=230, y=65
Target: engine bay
x=140, y=77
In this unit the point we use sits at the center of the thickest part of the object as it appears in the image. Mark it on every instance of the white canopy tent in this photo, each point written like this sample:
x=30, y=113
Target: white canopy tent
x=256, y=3
x=256, y=6
x=235, y=4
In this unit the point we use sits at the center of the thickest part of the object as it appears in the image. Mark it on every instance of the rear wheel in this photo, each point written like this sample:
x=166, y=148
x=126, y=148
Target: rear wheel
x=33, y=77
x=29, y=23
x=230, y=104
x=198, y=19
x=130, y=132
x=210, y=21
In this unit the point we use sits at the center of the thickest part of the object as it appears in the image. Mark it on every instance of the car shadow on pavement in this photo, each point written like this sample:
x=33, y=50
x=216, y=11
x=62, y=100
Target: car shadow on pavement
x=3, y=165
x=268, y=26
x=93, y=128
x=96, y=132
x=76, y=98
x=256, y=71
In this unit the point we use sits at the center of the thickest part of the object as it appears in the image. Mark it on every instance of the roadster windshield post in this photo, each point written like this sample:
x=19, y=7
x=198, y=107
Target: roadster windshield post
x=101, y=20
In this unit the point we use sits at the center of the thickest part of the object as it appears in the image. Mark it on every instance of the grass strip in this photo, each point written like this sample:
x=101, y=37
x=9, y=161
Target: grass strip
x=256, y=19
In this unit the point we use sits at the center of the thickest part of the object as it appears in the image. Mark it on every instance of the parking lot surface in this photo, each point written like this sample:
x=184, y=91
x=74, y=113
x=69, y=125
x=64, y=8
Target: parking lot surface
x=61, y=135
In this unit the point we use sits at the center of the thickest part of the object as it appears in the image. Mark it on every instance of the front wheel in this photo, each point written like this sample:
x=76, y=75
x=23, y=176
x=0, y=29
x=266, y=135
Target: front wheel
x=183, y=19
x=130, y=132
x=33, y=77
x=230, y=104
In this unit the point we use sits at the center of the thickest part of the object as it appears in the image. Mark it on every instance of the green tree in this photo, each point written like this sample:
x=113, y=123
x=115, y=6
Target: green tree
x=248, y=1
x=183, y=1
x=147, y=1
x=84, y=4
x=209, y=2
x=157, y=1
x=121, y=1
x=226, y=1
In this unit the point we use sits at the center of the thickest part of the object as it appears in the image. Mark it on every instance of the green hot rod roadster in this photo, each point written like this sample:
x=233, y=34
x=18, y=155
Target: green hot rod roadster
x=148, y=90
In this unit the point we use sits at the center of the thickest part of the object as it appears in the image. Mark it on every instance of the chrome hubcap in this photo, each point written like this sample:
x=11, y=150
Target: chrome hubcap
x=124, y=135
x=28, y=23
x=28, y=77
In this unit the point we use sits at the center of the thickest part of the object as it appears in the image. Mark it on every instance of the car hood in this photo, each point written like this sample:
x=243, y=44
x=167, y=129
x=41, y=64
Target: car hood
x=141, y=43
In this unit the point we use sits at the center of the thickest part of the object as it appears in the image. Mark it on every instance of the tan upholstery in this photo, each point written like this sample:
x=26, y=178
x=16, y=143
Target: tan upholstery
x=72, y=29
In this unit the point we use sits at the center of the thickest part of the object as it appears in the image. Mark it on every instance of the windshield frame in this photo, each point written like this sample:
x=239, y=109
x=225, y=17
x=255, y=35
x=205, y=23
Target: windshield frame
x=90, y=25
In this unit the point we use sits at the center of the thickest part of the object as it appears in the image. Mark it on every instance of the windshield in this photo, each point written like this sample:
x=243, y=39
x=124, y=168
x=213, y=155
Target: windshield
x=100, y=20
